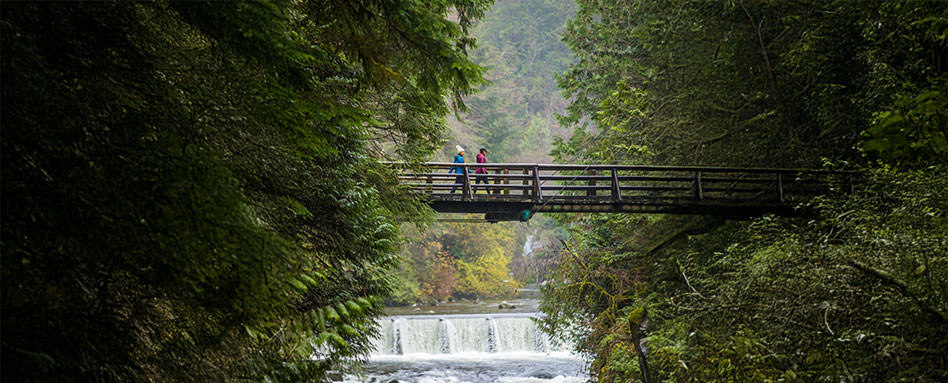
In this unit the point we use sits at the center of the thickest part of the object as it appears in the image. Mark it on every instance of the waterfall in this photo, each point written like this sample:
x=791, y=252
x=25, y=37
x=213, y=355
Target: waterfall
x=420, y=336
x=541, y=341
x=448, y=336
x=451, y=334
x=529, y=245
x=470, y=334
x=396, y=346
x=493, y=344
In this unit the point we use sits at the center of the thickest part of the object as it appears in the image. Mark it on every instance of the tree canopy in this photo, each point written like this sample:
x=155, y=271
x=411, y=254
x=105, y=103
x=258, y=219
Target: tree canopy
x=851, y=290
x=192, y=192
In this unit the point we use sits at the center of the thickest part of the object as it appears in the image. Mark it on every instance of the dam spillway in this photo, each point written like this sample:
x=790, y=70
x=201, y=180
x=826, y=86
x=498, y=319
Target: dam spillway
x=450, y=334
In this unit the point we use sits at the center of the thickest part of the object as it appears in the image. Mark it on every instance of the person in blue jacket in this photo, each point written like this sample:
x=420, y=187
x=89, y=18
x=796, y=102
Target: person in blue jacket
x=458, y=159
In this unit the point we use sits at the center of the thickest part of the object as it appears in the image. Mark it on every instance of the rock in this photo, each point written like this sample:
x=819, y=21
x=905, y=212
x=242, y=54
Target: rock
x=505, y=305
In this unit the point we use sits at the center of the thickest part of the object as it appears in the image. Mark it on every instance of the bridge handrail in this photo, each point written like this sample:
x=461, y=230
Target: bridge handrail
x=507, y=190
x=568, y=167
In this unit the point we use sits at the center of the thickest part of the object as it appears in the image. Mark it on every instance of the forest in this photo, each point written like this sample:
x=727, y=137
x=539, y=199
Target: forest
x=192, y=191
x=854, y=289
x=198, y=191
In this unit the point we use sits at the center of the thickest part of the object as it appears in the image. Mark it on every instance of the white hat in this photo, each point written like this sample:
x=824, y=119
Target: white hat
x=459, y=148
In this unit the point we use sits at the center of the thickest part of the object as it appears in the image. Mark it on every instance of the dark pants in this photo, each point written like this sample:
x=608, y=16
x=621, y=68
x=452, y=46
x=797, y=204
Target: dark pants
x=482, y=179
x=457, y=181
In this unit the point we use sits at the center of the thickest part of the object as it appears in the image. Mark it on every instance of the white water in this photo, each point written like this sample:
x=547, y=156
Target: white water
x=450, y=334
x=529, y=245
x=474, y=348
x=448, y=337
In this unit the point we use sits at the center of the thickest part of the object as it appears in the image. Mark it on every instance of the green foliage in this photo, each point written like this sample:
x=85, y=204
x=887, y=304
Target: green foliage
x=513, y=116
x=596, y=295
x=405, y=286
x=486, y=276
x=914, y=130
x=855, y=292
x=191, y=191
x=834, y=296
x=457, y=260
x=760, y=83
x=854, y=289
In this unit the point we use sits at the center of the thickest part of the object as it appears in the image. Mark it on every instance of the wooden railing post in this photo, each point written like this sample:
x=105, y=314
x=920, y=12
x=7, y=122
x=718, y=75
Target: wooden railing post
x=526, y=182
x=537, y=191
x=592, y=183
x=699, y=190
x=497, y=181
x=506, y=181
x=780, y=188
x=616, y=192
x=467, y=183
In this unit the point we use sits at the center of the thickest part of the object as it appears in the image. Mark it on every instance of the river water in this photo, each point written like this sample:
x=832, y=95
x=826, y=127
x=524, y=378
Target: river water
x=468, y=343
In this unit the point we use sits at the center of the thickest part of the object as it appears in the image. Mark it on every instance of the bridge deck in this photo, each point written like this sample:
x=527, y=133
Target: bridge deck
x=507, y=190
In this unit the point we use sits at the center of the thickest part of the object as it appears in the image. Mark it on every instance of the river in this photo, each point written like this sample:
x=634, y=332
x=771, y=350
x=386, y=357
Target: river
x=475, y=342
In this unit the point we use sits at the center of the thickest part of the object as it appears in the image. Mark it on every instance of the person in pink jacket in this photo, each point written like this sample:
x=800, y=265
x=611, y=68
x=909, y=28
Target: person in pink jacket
x=481, y=172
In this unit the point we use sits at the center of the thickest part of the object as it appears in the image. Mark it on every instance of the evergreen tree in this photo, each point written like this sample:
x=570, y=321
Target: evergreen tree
x=852, y=291
x=192, y=192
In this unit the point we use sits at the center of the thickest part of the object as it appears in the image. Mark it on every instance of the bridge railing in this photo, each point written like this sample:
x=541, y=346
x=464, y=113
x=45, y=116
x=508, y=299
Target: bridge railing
x=541, y=183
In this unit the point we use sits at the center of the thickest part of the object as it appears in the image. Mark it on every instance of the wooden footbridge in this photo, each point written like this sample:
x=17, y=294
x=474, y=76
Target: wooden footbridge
x=517, y=191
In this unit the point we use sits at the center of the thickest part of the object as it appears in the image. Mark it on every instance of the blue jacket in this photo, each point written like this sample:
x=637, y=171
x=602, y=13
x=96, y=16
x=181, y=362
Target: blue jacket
x=458, y=159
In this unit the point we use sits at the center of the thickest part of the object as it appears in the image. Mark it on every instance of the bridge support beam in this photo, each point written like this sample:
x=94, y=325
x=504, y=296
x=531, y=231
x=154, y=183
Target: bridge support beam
x=616, y=190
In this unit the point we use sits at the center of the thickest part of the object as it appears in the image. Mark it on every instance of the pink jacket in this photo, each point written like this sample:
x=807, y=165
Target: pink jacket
x=481, y=159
